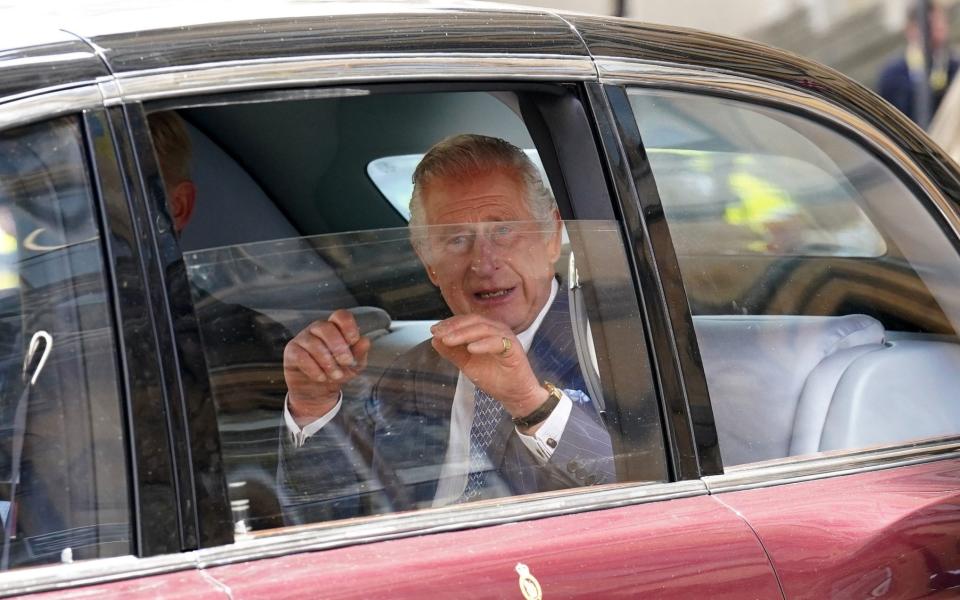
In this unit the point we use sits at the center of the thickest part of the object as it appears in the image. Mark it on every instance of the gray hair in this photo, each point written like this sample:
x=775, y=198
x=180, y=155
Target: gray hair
x=468, y=154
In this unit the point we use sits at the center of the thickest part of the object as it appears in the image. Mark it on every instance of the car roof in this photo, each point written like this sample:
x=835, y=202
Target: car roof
x=137, y=35
x=86, y=40
x=79, y=42
x=27, y=22
x=94, y=18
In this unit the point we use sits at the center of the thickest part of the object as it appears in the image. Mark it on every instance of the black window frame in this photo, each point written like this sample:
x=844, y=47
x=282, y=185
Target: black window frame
x=688, y=420
x=164, y=491
x=549, y=120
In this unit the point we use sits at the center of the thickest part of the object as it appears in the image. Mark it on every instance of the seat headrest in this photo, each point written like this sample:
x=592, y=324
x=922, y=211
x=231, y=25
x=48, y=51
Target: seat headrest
x=905, y=391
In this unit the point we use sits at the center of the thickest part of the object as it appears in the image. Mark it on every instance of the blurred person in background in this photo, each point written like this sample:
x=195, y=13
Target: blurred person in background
x=902, y=79
x=945, y=127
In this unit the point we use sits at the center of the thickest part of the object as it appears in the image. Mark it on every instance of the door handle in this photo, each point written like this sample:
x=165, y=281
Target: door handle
x=40, y=337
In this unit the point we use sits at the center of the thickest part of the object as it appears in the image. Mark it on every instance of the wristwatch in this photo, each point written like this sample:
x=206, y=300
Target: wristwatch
x=543, y=411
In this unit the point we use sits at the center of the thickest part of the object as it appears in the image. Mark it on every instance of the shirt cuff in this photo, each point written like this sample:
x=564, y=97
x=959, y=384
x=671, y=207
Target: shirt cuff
x=545, y=440
x=299, y=436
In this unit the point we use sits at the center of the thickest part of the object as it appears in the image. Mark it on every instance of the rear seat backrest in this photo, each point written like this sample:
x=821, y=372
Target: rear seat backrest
x=232, y=210
x=757, y=367
x=817, y=395
x=904, y=391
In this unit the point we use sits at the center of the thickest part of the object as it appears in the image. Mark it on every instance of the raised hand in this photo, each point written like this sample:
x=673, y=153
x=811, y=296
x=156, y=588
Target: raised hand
x=318, y=361
x=491, y=356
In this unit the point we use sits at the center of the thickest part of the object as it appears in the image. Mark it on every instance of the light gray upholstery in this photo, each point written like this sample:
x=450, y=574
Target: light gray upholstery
x=757, y=368
x=231, y=208
x=907, y=390
x=817, y=395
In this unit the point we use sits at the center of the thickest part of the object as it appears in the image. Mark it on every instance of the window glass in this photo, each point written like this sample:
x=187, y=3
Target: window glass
x=63, y=482
x=747, y=184
x=320, y=267
x=751, y=203
x=389, y=447
x=824, y=293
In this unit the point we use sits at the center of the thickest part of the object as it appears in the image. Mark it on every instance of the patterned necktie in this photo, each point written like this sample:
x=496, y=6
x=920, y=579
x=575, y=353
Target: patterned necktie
x=486, y=416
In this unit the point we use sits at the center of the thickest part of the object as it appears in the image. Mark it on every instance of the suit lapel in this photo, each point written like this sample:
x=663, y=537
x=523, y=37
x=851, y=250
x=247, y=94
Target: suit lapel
x=435, y=386
x=552, y=354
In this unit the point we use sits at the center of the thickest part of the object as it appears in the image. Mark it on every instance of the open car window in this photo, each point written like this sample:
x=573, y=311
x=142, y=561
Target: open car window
x=290, y=230
x=401, y=404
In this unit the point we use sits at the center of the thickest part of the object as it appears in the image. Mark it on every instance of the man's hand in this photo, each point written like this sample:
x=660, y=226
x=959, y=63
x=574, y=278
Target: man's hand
x=319, y=361
x=475, y=345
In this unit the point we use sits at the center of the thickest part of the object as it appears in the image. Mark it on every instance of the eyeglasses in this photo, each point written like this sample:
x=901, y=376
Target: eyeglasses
x=461, y=239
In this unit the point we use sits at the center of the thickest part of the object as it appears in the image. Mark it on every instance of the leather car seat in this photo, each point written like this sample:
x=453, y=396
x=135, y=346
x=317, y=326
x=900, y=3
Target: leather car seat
x=757, y=369
x=905, y=390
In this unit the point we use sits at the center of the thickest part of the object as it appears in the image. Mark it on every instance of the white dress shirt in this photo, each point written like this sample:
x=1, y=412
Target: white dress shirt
x=300, y=435
x=456, y=464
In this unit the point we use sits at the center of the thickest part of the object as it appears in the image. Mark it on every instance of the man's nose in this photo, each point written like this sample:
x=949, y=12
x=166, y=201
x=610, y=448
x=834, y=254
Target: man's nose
x=485, y=257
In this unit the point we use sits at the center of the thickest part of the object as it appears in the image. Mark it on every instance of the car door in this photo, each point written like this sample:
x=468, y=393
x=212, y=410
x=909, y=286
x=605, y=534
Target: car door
x=820, y=265
x=201, y=420
x=481, y=562
x=258, y=145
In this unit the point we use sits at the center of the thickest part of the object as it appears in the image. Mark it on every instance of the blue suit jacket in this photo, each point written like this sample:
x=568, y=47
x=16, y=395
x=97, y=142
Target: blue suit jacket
x=390, y=455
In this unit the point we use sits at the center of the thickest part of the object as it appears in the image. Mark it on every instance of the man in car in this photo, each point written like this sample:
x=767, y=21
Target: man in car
x=493, y=403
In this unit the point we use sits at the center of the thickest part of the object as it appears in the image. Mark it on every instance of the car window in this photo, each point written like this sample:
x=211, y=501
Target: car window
x=823, y=292
x=394, y=423
x=63, y=473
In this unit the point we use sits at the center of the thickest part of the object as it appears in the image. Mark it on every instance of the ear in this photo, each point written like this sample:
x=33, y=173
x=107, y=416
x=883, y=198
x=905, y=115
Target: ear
x=556, y=240
x=431, y=273
x=182, y=200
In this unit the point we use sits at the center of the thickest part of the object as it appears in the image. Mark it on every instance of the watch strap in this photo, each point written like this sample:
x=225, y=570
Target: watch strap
x=541, y=413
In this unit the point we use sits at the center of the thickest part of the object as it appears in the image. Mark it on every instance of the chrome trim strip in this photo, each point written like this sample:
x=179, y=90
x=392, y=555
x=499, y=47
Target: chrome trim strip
x=344, y=68
x=633, y=71
x=806, y=468
x=646, y=74
x=51, y=104
x=108, y=89
x=336, y=534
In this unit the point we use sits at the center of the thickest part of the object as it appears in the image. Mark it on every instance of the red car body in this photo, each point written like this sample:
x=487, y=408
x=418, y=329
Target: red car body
x=876, y=522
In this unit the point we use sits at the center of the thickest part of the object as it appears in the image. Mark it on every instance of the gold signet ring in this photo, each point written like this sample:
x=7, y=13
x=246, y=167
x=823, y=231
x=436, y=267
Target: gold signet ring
x=507, y=344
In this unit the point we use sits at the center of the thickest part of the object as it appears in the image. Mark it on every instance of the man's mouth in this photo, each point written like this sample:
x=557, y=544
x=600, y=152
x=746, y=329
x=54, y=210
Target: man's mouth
x=493, y=294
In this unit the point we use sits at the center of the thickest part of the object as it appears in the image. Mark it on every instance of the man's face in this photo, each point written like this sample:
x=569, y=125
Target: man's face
x=483, y=250
x=939, y=28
